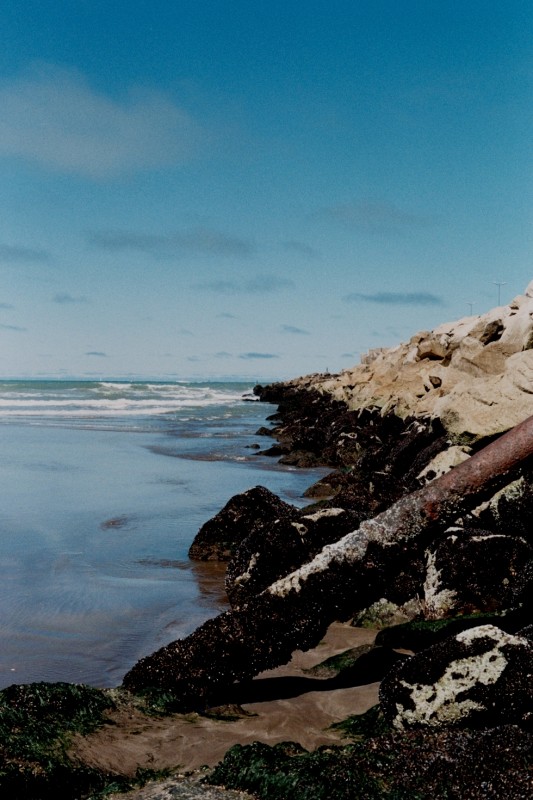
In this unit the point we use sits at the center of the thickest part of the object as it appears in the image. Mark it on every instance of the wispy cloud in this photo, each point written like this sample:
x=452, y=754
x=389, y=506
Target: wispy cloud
x=396, y=298
x=6, y=305
x=300, y=248
x=201, y=240
x=294, y=329
x=52, y=116
x=258, y=355
x=12, y=328
x=17, y=254
x=226, y=315
x=223, y=354
x=261, y=284
x=64, y=298
x=371, y=216
x=97, y=353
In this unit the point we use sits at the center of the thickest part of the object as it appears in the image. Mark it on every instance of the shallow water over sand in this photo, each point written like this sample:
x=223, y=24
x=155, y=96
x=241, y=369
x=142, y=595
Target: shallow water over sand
x=96, y=519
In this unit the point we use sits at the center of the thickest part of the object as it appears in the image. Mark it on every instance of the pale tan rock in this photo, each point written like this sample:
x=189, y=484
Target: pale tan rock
x=443, y=462
x=475, y=374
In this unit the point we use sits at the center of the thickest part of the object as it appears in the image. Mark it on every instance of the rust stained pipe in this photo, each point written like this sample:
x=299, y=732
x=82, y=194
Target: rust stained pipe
x=460, y=486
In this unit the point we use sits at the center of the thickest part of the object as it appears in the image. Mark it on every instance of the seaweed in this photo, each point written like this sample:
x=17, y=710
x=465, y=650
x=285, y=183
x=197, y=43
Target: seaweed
x=414, y=765
x=288, y=772
x=37, y=722
x=421, y=634
x=364, y=726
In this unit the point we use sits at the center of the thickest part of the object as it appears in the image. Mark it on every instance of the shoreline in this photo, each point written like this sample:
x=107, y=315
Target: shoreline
x=463, y=588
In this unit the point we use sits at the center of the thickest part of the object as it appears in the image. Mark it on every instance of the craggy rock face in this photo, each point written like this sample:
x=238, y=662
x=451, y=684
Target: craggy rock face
x=272, y=551
x=449, y=373
x=218, y=539
x=510, y=509
x=481, y=676
x=472, y=570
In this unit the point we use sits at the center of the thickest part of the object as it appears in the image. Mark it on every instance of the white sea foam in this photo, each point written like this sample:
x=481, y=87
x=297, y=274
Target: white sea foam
x=108, y=399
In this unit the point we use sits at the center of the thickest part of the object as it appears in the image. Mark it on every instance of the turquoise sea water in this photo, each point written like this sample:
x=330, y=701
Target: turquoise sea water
x=104, y=485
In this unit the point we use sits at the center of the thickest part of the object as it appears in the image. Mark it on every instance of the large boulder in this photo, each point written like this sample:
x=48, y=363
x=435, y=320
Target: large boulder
x=273, y=551
x=220, y=536
x=471, y=570
x=481, y=676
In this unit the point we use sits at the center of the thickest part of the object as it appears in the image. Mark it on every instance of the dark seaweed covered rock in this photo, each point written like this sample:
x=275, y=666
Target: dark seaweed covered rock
x=37, y=722
x=421, y=764
x=272, y=551
x=220, y=536
x=481, y=677
x=472, y=570
x=511, y=509
x=420, y=634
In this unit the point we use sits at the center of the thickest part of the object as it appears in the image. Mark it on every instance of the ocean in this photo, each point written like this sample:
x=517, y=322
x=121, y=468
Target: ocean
x=104, y=485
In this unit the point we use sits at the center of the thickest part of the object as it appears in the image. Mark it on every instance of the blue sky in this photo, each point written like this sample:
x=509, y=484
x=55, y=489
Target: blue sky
x=212, y=188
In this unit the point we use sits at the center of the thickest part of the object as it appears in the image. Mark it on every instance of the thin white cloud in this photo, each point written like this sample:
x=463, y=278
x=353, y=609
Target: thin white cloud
x=52, y=116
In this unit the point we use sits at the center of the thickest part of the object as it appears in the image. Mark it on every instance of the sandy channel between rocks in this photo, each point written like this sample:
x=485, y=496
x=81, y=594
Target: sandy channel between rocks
x=188, y=741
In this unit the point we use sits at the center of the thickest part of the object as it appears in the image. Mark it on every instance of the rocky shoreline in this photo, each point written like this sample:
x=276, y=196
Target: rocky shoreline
x=423, y=531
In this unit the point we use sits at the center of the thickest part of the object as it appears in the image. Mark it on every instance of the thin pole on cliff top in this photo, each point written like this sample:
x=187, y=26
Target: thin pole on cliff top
x=499, y=284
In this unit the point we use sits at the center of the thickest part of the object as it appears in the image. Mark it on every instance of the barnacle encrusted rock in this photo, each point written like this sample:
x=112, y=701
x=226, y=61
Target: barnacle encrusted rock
x=471, y=570
x=480, y=676
x=270, y=552
x=220, y=536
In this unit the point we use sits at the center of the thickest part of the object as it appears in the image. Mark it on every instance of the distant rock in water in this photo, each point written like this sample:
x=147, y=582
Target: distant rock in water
x=219, y=537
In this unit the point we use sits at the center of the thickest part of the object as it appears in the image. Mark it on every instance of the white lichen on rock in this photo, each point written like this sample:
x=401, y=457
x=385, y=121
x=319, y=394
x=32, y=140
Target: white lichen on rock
x=300, y=527
x=437, y=600
x=436, y=703
x=352, y=547
x=324, y=514
x=244, y=577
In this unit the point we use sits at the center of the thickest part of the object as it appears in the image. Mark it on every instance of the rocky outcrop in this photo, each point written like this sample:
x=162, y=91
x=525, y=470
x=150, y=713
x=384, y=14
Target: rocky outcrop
x=474, y=375
x=271, y=552
x=481, y=676
x=428, y=764
x=244, y=514
x=295, y=610
x=471, y=570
